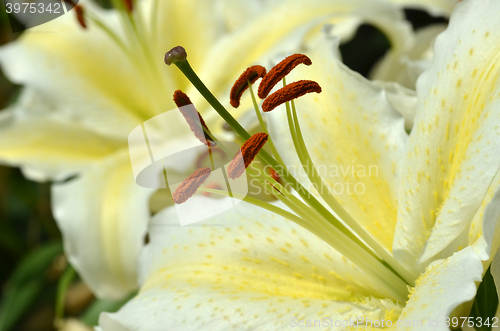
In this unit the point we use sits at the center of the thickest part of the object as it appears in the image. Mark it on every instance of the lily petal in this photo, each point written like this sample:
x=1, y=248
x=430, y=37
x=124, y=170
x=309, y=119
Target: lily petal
x=245, y=268
x=403, y=100
x=483, y=232
x=406, y=68
x=443, y=287
x=103, y=215
x=355, y=137
x=452, y=154
x=46, y=146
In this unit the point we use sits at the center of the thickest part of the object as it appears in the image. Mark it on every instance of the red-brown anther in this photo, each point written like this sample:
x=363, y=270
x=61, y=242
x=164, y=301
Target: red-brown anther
x=276, y=177
x=274, y=174
x=189, y=187
x=279, y=71
x=245, y=156
x=193, y=117
x=80, y=16
x=290, y=92
x=129, y=5
x=251, y=74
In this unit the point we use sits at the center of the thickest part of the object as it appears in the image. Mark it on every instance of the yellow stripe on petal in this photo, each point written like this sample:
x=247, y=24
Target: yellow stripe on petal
x=103, y=216
x=456, y=125
x=233, y=271
x=55, y=148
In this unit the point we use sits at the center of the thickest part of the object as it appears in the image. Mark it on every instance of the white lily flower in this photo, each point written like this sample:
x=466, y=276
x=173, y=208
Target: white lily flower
x=85, y=91
x=435, y=217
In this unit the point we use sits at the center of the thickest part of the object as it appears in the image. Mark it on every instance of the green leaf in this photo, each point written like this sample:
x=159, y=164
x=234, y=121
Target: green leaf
x=26, y=284
x=486, y=302
x=35, y=263
x=17, y=301
x=62, y=288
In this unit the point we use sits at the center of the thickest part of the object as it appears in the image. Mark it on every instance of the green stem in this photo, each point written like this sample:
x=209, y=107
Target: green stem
x=62, y=288
x=186, y=69
x=256, y=202
x=262, y=123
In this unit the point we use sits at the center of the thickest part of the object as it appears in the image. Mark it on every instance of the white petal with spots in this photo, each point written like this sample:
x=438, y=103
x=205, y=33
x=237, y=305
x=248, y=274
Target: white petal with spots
x=452, y=155
x=445, y=285
x=244, y=269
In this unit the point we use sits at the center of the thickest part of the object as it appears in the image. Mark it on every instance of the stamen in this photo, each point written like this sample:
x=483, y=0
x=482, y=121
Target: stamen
x=309, y=212
x=290, y=92
x=279, y=71
x=188, y=187
x=212, y=186
x=80, y=16
x=175, y=55
x=129, y=6
x=193, y=117
x=250, y=75
x=247, y=153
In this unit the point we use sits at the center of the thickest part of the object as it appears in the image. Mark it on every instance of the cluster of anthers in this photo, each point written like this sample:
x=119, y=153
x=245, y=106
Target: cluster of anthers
x=251, y=148
x=341, y=232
